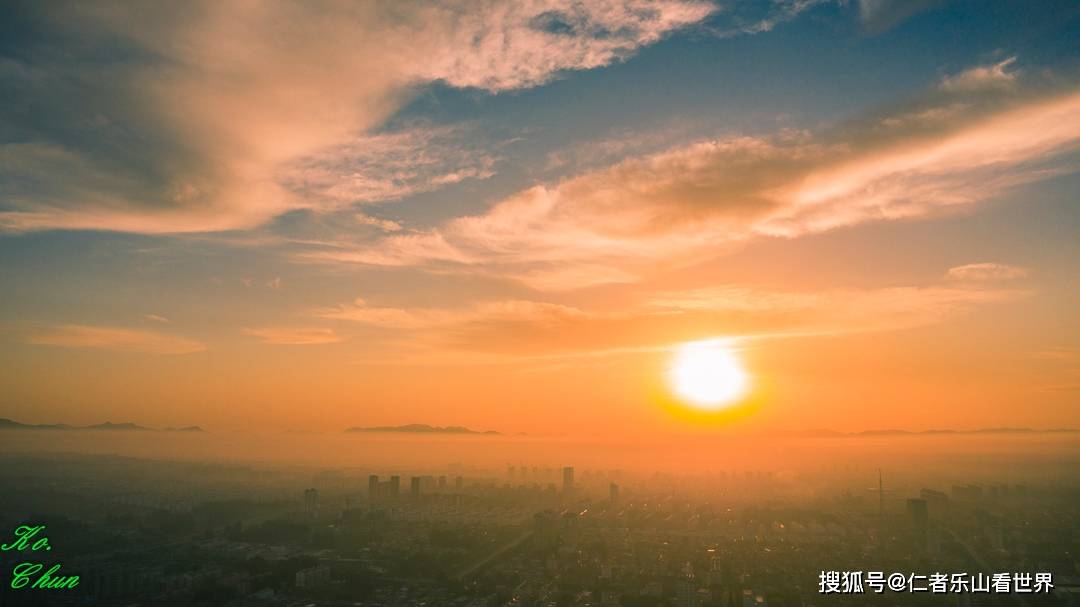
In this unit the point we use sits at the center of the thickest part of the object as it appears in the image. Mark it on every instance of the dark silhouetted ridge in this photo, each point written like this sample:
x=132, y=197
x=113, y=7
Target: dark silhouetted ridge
x=10, y=424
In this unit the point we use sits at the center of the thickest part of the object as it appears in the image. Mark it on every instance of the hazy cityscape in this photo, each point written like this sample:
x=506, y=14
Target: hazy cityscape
x=539, y=303
x=142, y=531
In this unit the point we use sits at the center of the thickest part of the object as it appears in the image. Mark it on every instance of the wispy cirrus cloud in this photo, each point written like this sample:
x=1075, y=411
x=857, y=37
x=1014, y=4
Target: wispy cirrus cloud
x=218, y=116
x=528, y=329
x=986, y=272
x=294, y=336
x=618, y=223
x=388, y=166
x=115, y=338
x=758, y=17
x=995, y=75
x=360, y=311
x=878, y=16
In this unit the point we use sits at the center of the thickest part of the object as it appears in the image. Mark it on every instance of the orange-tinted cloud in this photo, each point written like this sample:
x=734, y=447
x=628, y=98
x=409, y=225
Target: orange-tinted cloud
x=530, y=329
x=295, y=336
x=619, y=223
x=115, y=338
x=985, y=272
x=237, y=106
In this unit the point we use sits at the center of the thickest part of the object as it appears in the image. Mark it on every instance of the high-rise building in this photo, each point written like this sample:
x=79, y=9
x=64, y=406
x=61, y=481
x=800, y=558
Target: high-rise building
x=414, y=487
x=395, y=486
x=918, y=512
x=442, y=484
x=919, y=520
x=311, y=502
x=373, y=486
x=936, y=501
x=568, y=478
x=686, y=589
x=314, y=577
x=969, y=493
x=613, y=493
x=459, y=483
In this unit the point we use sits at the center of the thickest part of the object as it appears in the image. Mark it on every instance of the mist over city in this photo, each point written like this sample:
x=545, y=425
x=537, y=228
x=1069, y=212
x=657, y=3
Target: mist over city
x=539, y=303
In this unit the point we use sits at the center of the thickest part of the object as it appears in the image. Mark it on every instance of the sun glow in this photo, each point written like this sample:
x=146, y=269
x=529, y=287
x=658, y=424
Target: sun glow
x=707, y=375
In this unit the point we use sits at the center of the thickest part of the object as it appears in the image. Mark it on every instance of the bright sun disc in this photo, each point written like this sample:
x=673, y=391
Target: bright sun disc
x=707, y=374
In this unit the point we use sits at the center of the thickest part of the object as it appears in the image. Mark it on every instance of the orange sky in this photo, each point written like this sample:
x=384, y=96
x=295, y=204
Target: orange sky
x=510, y=218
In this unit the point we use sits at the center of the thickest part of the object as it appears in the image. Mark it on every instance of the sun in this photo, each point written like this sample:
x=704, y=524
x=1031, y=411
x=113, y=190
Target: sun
x=708, y=375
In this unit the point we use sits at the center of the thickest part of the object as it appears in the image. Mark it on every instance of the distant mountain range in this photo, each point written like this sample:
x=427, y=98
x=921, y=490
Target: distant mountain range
x=8, y=424
x=423, y=429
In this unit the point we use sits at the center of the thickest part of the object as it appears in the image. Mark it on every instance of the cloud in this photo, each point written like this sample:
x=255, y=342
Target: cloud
x=115, y=338
x=986, y=272
x=387, y=166
x=878, y=16
x=386, y=225
x=217, y=116
x=156, y=318
x=619, y=223
x=532, y=329
x=295, y=336
x=359, y=311
x=983, y=76
x=758, y=17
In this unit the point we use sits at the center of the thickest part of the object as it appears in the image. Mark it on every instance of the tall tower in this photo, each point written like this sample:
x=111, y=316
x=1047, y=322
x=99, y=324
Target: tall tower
x=373, y=486
x=880, y=495
x=414, y=487
x=311, y=502
x=395, y=486
x=881, y=508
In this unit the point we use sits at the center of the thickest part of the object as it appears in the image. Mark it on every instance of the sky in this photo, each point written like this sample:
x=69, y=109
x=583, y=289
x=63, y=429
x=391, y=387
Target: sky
x=511, y=215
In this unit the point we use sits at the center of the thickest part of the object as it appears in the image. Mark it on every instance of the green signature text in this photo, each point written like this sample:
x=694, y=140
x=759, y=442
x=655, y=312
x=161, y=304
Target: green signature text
x=30, y=538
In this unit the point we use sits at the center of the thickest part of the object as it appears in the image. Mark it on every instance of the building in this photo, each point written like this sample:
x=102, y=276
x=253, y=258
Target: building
x=414, y=487
x=936, y=501
x=311, y=502
x=918, y=513
x=970, y=493
x=395, y=486
x=568, y=478
x=316, y=576
x=686, y=593
x=373, y=486
x=613, y=493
